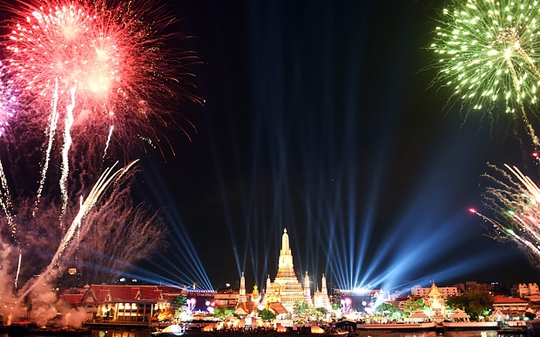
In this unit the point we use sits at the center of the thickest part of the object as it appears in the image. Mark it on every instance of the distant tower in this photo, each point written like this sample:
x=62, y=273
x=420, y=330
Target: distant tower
x=242, y=292
x=320, y=298
x=324, y=291
x=268, y=284
x=307, y=291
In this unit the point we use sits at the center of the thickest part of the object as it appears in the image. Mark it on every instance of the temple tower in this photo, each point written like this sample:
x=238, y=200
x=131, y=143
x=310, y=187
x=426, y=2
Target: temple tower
x=285, y=288
x=307, y=291
x=242, y=298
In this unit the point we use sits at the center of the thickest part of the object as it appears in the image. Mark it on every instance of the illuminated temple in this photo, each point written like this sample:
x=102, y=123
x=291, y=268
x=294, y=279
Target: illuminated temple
x=286, y=290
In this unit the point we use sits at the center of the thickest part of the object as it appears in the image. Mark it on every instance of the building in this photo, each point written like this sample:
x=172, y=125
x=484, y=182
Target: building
x=510, y=306
x=135, y=305
x=129, y=304
x=226, y=298
x=419, y=291
x=435, y=299
x=527, y=290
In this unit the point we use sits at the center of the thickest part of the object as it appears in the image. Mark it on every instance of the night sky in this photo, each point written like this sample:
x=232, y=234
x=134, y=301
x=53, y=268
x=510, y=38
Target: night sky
x=320, y=117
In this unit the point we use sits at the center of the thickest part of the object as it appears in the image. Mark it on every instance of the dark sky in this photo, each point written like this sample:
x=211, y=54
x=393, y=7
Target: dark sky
x=319, y=117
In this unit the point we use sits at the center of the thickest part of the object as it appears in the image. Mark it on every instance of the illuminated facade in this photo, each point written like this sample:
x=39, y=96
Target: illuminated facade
x=445, y=291
x=435, y=299
x=320, y=298
x=286, y=289
x=129, y=304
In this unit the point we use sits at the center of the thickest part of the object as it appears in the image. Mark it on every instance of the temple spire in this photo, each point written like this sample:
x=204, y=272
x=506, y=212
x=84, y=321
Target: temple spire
x=307, y=291
x=242, y=298
x=285, y=250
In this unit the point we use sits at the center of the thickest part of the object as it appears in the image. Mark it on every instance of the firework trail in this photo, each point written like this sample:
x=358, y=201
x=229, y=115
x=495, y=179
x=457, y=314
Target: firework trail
x=516, y=203
x=65, y=155
x=8, y=108
x=111, y=129
x=101, y=185
x=52, y=131
x=487, y=53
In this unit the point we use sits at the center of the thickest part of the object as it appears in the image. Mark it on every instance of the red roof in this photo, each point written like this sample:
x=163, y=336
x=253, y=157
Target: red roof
x=72, y=299
x=503, y=299
x=126, y=293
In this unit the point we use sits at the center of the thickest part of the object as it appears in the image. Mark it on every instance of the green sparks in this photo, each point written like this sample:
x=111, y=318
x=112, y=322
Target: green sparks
x=487, y=52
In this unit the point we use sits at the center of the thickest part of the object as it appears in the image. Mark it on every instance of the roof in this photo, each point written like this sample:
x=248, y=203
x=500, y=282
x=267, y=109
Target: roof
x=434, y=291
x=127, y=293
x=500, y=299
x=458, y=313
x=278, y=308
x=245, y=308
x=72, y=299
x=418, y=313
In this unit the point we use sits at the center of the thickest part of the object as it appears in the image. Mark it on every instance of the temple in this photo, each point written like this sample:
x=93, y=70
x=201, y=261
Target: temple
x=286, y=290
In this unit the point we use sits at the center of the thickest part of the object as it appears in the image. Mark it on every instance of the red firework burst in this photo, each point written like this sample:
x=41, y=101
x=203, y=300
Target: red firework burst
x=111, y=54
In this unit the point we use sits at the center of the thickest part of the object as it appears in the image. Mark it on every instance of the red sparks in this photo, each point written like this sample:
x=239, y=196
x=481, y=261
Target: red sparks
x=120, y=67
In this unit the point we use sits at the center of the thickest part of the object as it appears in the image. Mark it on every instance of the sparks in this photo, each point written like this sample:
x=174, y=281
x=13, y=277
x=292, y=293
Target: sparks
x=487, y=52
x=514, y=201
x=111, y=52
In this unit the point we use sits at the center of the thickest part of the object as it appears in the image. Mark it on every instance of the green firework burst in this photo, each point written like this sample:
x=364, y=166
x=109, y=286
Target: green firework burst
x=487, y=52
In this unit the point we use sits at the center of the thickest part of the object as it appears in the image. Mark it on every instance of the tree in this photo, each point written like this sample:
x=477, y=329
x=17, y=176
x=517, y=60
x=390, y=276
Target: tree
x=386, y=307
x=178, y=302
x=267, y=314
x=476, y=302
x=300, y=308
x=412, y=305
x=222, y=312
x=389, y=310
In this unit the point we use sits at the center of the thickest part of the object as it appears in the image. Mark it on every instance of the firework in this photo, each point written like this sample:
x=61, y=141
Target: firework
x=98, y=66
x=515, y=201
x=488, y=52
x=92, y=74
x=111, y=53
